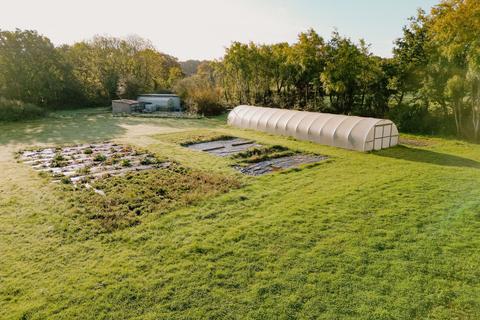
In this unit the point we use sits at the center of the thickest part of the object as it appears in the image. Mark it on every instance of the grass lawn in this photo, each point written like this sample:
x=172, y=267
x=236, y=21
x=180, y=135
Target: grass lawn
x=385, y=235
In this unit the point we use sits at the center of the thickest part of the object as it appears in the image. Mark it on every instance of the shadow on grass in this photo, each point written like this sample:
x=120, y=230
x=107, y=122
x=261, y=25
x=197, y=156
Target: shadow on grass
x=428, y=156
x=78, y=127
x=60, y=130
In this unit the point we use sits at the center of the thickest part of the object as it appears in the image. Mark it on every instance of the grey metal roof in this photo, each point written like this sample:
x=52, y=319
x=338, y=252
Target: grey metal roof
x=126, y=101
x=160, y=95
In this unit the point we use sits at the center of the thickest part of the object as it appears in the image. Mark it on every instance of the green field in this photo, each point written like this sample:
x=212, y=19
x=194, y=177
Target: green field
x=384, y=235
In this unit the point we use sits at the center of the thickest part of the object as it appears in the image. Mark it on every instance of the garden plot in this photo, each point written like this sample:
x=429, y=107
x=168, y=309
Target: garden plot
x=83, y=163
x=255, y=159
x=271, y=165
x=225, y=147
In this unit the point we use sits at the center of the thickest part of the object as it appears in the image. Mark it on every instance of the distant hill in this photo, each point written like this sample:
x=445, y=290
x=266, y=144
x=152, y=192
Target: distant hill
x=189, y=67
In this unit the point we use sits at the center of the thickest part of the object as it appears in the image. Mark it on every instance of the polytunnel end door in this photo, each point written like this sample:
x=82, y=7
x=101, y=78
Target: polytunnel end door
x=383, y=137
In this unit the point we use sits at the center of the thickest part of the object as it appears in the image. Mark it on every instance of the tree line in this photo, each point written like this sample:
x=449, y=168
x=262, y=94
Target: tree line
x=88, y=73
x=430, y=85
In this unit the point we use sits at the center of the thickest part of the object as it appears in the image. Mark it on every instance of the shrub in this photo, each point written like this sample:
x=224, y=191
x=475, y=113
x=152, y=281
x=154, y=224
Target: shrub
x=200, y=96
x=14, y=110
x=417, y=118
x=88, y=151
x=205, y=102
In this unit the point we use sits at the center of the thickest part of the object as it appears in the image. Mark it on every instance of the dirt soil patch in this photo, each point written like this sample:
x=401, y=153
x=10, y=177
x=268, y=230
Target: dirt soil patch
x=416, y=142
x=225, y=147
x=87, y=162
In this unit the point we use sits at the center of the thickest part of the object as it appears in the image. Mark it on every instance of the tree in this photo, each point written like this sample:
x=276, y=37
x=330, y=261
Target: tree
x=453, y=26
x=411, y=58
x=108, y=68
x=341, y=74
x=30, y=68
x=308, y=56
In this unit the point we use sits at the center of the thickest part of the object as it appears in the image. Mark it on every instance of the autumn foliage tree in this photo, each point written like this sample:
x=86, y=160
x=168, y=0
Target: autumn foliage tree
x=31, y=68
x=312, y=74
x=87, y=73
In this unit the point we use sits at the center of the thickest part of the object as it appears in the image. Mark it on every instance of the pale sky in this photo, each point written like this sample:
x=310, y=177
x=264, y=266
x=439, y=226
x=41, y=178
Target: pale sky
x=189, y=29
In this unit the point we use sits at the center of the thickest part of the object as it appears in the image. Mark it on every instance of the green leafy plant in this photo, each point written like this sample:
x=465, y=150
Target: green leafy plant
x=99, y=157
x=66, y=180
x=147, y=161
x=259, y=154
x=58, y=157
x=126, y=163
x=58, y=161
x=83, y=171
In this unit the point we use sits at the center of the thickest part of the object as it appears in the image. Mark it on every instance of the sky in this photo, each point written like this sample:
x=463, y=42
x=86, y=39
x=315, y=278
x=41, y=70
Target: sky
x=189, y=29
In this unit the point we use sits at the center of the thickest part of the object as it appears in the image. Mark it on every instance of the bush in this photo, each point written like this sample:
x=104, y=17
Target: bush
x=14, y=110
x=416, y=118
x=200, y=96
x=205, y=102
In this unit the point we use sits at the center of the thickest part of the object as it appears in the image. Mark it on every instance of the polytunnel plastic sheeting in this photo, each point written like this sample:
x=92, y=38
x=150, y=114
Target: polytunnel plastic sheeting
x=349, y=132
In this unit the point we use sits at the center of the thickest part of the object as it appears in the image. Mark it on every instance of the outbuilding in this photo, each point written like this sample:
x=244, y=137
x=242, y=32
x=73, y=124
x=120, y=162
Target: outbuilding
x=348, y=132
x=160, y=102
x=125, y=106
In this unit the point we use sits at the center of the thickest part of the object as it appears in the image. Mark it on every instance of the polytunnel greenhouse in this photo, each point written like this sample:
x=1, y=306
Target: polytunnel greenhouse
x=349, y=132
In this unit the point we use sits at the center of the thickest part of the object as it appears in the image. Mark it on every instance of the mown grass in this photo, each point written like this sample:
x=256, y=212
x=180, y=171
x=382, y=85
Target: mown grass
x=384, y=235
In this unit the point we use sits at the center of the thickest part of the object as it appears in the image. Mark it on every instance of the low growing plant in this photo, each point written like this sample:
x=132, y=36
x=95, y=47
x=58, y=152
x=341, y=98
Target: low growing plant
x=58, y=161
x=126, y=163
x=83, y=171
x=259, y=154
x=129, y=197
x=66, y=180
x=148, y=160
x=99, y=157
